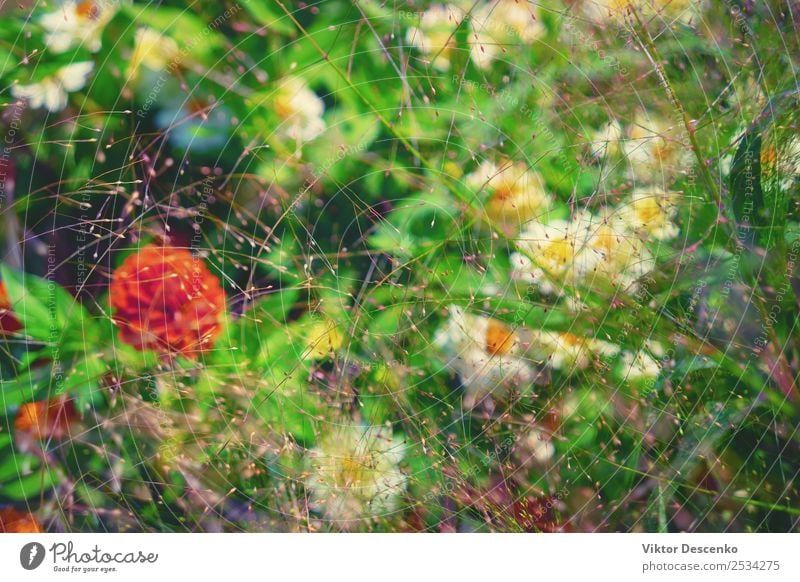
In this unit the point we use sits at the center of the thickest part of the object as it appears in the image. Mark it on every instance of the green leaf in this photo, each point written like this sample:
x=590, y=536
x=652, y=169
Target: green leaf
x=745, y=184
x=44, y=308
x=27, y=296
x=290, y=408
x=759, y=205
x=271, y=17
x=24, y=387
x=29, y=486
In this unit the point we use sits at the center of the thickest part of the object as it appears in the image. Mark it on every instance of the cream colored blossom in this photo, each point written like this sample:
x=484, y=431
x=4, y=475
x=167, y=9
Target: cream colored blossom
x=514, y=194
x=52, y=92
x=539, y=446
x=502, y=23
x=639, y=365
x=566, y=351
x=650, y=212
x=588, y=250
x=669, y=11
x=605, y=141
x=559, y=251
x=614, y=252
x=153, y=51
x=77, y=24
x=654, y=150
x=300, y=110
x=354, y=474
x=486, y=354
x=600, y=11
x=435, y=34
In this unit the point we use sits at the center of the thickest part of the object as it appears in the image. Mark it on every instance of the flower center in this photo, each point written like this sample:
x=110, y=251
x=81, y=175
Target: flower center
x=88, y=9
x=351, y=471
x=504, y=192
x=571, y=340
x=499, y=338
x=648, y=210
x=605, y=239
x=558, y=251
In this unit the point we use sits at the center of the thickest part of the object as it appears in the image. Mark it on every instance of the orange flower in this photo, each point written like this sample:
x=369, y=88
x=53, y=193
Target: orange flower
x=46, y=419
x=167, y=300
x=13, y=521
x=8, y=322
x=500, y=338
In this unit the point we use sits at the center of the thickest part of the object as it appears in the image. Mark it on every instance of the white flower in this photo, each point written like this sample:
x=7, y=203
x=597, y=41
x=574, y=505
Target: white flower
x=300, y=109
x=589, y=250
x=539, y=446
x=567, y=351
x=602, y=10
x=435, y=35
x=605, y=141
x=354, y=474
x=516, y=194
x=558, y=248
x=78, y=24
x=51, y=92
x=500, y=23
x=639, y=365
x=650, y=212
x=654, y=150
x=613, y=252
x=485, y=353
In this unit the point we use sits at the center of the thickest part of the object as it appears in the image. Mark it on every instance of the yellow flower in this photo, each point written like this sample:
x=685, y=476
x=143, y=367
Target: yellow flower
x=152, y=50
x=650, y=212
x=435, y=35
x=558, y=249
x=77, y=24
x=613, y=252
x=502, y=23
x=324, y=339
x=354, y=474
x=590, y=250
x=52, y=92
x=668, y=10
x=602, y=10
x=516, y=194
x=654, y=150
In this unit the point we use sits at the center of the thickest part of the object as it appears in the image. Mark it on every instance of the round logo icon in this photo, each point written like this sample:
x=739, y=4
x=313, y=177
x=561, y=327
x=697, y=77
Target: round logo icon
x=31, y=555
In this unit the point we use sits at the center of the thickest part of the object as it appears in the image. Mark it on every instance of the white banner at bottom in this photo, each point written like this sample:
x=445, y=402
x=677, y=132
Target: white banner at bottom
x=398, y=557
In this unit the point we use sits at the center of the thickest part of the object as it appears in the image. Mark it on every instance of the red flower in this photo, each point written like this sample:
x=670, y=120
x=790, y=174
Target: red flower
x=46, y=419
x=13, y=521
x=165, y=299
x=8, y=321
